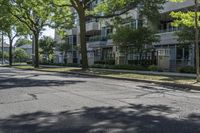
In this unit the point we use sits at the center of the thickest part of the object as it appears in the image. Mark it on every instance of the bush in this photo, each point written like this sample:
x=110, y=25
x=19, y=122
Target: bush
x=60, y=64
x=126, y=67
x=108, y=62
x=154, y=68
x=73, y=65
x=187, y=69
x=29, y=62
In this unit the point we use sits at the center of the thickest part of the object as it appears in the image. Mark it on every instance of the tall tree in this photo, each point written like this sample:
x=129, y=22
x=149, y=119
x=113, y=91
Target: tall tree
x=190, y=19
x=105, y=9
x=34, y=14
x=22, y=41
x=12, y=29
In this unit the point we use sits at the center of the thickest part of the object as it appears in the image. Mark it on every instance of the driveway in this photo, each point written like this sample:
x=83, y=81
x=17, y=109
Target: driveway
x=43, y=102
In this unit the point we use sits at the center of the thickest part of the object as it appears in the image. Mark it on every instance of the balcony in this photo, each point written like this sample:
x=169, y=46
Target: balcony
x=92, y=26
x=167, y=38
x=172, y=29
x=72, y=31
x=97, y=41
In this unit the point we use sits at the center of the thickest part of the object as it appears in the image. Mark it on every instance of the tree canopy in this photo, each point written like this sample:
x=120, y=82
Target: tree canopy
x=47, y=45
x=22, y=41
x=34, y=15
x=135, y=38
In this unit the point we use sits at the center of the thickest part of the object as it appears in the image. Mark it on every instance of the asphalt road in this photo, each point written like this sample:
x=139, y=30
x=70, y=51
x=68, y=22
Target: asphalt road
x=41, y=102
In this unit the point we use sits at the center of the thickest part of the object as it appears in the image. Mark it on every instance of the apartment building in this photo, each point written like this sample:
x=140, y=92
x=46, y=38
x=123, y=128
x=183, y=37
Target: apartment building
x=170, y=53
x=100, y=46
x=99, y=43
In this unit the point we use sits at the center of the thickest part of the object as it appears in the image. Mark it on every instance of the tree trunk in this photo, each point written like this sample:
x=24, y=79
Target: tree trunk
x=36, y=44
x=10, y=52
x=140, y=59
x=83, y=40
x=2, y=48
x=33, y=50
x=126, y=55
x=197, y=41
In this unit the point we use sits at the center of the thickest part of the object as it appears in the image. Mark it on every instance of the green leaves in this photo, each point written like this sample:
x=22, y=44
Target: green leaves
x=47, y=45
x=21, y=54
x=22, y=41
x=147, y=8
x=186, y=35
x=34, y=14
x=136, y=38
x=184, y=18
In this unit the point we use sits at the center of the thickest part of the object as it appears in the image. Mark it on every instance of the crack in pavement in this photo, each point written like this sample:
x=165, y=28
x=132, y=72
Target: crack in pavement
x=33, y=97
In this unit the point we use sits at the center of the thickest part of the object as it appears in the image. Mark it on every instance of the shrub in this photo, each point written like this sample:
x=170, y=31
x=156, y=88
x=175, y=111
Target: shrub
x=108, y=62
x=61, y=64
x=187, y=69
x=126, y=67
x=97, y=66
x=29, y=62
x=154, y=68
x=73, y=65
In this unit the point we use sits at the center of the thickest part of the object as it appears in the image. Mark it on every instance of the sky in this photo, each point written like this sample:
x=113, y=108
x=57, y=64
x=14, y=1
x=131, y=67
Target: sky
x=48, y=32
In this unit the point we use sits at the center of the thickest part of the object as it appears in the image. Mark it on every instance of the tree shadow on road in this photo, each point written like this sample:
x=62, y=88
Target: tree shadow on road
x=126, y=119
x=9, y=83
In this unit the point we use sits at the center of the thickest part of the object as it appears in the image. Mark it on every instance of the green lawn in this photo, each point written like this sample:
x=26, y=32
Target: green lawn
x=159, y=78
x=60, y=69
x=148, y=77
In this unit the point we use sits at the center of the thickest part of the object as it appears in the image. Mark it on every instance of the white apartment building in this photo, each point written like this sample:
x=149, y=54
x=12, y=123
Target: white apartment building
x=100, y=47
x=170, y=55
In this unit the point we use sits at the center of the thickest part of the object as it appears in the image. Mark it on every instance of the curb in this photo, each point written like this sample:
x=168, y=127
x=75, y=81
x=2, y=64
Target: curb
x=184, y=87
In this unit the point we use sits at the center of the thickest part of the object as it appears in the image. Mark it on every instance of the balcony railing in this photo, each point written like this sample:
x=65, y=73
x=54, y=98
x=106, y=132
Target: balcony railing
x=173, y=29
x=99, y=38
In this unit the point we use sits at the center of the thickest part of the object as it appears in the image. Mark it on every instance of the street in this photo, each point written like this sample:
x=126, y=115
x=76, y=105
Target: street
x=44, y=102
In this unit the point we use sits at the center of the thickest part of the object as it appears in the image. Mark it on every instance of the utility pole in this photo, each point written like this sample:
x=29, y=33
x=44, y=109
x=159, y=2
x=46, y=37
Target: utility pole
x=197, y=40
x=2, y=48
